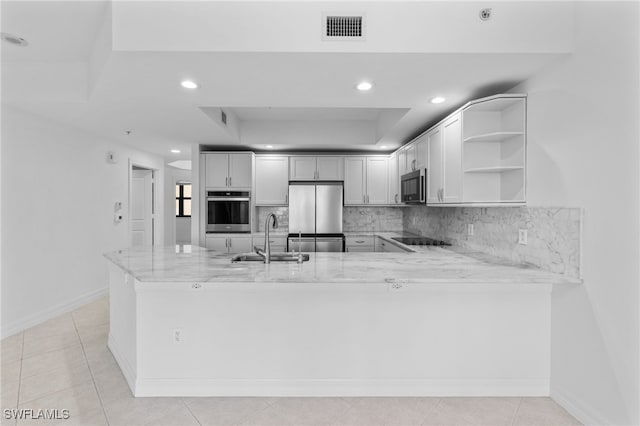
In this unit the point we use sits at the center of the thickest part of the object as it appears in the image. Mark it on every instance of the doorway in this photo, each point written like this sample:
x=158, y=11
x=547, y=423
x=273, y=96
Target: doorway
x=142, y=206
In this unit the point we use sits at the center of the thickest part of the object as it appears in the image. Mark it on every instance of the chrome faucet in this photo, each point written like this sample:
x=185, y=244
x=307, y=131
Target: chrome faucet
x=267, y=245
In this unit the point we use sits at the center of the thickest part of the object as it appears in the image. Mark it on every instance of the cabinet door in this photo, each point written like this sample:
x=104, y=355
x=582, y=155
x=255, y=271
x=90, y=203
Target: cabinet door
x=330, y=168
x=240, y=170
x=434, y=170
x=216, y=170
x=354, y=180
x=402, y=162
x=394, y=180
x=452, y=145
x=217, y=243
x=377, y=180
x=410, y=164
x=240, y=244
x=302, y=168
x=272, y=181
x=421, y=152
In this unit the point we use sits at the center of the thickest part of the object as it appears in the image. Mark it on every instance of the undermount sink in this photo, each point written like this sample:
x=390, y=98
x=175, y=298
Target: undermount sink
x=275, y=257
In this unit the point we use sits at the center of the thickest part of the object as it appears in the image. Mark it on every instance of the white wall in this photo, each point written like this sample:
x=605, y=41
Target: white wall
x=58, y=195
x=583, y=151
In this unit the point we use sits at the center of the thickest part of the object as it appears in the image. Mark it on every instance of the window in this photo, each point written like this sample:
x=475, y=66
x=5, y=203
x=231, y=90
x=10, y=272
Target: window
x=183, y=200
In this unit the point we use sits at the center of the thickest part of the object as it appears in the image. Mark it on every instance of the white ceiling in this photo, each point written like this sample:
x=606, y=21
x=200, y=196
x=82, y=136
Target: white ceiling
x=109, y=68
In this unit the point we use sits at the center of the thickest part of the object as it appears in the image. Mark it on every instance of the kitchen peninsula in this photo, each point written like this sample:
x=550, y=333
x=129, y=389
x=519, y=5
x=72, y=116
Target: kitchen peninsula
x=185, y=321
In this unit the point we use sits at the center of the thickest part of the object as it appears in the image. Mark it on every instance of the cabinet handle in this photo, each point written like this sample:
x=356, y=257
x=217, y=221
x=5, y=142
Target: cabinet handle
x=226, y=243
x=226, y=181
x=229, y=242
x=286, y=198
x=229, y=180
x=360, y=241
x=364, y=199
x=395, y=198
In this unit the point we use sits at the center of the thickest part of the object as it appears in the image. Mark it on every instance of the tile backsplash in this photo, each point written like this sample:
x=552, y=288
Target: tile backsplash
x=372, y=219
x=553, y=232
x=353, y=218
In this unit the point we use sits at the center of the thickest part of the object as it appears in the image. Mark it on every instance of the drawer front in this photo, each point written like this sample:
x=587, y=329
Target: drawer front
x=359, y=241
x=278, y=243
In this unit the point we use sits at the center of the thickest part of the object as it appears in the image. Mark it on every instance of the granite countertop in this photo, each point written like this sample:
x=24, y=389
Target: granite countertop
x=427, y=264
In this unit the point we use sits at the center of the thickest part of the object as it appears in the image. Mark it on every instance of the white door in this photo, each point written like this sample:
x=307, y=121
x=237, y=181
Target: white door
x=330, y=168
x=302, y=168
x=240, y=170
x=377, y=180
x=452, y=145
x=141, y=207
x=354, y=180
x=216, y=170
x=434, y=171
x=272, y=181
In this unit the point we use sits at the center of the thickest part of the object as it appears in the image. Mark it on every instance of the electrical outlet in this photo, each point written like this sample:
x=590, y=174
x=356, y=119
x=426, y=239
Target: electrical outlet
x=470, y=229
x=369, y=218
x=413, y=220
x=177, y=336
x=522, y=236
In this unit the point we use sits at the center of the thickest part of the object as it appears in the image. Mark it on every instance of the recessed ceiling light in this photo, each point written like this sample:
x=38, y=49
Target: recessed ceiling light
x=364, y=86
x=14, y=39
x=188, y=84
x=175, y=151
x=438, y=100
x=383, y=147
x=268, y=146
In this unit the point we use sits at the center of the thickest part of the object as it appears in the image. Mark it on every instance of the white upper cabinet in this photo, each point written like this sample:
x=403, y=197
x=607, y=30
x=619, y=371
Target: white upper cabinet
x=394, y=180
x=228, y=170
x=366, y=180
x=452, y=143
x=435, y=167
x=316, y=168
x=272, y=180
x=402, y=161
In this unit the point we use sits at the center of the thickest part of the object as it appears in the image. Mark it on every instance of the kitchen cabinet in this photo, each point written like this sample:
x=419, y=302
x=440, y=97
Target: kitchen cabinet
x=271, y=180
x=328, y=168
x=229, y=243
x=402, y=161
x=394, y=180
x=494, y=150
x=445, y=161
x=366, y=180
x=413, y=155
x=359, y=243
x=384, y=246
x=228, y=170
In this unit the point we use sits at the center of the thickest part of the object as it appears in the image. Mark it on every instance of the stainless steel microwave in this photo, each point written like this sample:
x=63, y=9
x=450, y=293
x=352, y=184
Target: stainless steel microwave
x=413, y=187
x=228, y=211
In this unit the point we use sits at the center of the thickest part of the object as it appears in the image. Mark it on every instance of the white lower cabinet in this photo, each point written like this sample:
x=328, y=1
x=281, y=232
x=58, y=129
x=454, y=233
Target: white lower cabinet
x=359, y=243
x=229, y=244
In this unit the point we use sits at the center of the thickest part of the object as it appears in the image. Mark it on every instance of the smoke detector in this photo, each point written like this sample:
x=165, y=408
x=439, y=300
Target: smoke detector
x=485, y=14
x=14, y=39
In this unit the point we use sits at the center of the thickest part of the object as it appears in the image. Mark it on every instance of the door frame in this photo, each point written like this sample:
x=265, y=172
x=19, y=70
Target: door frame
x=154, y=203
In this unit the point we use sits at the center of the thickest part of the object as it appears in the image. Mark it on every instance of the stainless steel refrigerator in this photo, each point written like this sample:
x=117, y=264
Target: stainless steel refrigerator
x=315, y=213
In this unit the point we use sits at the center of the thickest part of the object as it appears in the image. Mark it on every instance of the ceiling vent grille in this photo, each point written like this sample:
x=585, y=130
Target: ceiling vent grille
x=340, y=27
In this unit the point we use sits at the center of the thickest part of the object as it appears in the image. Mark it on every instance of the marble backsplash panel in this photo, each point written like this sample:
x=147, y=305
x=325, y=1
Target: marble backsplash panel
x=372, y=219
x=553, y=233
x=354, y=219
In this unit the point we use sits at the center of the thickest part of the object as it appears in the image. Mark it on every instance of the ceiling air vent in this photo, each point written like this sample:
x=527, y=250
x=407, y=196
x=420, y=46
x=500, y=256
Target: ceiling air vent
x=341, y=27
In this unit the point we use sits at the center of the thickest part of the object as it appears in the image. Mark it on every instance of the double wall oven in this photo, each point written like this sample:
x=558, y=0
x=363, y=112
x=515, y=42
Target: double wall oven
x=228, y=211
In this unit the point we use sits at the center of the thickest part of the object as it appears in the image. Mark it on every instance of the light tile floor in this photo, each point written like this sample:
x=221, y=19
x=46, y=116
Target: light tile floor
x=65, y=364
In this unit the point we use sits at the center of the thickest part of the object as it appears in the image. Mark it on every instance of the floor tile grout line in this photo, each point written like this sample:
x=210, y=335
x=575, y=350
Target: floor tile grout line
x=93, y=380
x=190, y=412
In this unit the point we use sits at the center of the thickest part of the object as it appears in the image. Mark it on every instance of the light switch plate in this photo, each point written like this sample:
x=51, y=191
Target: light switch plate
x=470, y=229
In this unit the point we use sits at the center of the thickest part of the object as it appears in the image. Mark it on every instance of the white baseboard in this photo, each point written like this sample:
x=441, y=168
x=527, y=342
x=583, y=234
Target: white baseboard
x=51, y=312
x=578, y=409
x=338, y=387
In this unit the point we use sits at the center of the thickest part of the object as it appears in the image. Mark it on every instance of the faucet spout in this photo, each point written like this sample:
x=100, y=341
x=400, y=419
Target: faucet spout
x=267, y=244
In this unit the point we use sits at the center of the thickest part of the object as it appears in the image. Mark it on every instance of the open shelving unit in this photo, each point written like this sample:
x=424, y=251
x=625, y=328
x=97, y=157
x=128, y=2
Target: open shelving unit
x=494, y=150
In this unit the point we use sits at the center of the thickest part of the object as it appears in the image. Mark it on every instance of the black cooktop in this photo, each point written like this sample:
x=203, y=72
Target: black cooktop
x=420, y=241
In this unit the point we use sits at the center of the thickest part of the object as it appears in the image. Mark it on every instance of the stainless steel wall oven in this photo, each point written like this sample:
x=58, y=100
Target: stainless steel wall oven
x=228, y=211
